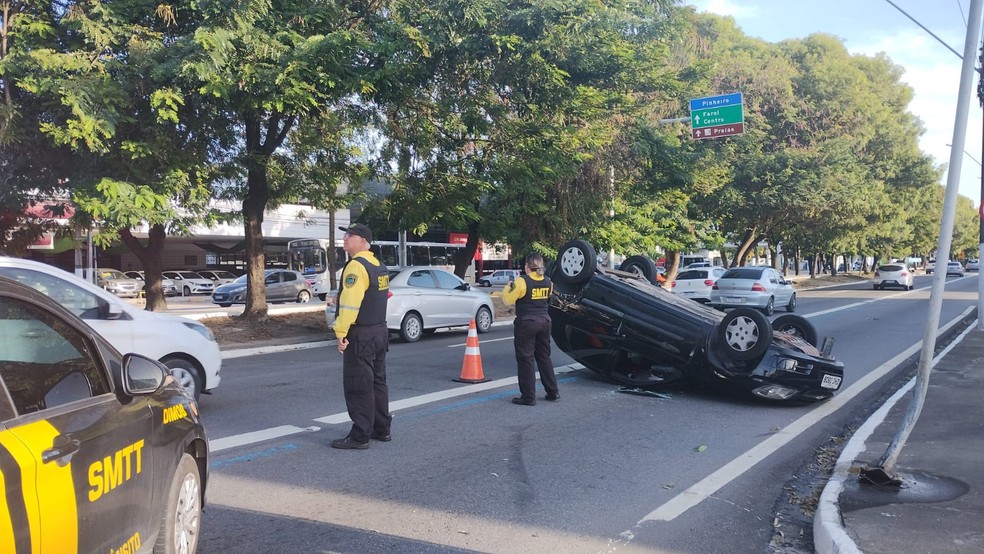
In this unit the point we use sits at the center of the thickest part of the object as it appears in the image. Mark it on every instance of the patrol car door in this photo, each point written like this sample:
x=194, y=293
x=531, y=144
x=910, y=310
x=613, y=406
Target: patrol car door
x=457, y=302
x=77, y=472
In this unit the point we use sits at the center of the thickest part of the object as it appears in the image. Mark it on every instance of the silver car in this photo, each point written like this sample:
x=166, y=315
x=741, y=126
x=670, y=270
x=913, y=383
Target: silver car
x=954, y=268
x=170, y=289
x=282, y=285
x=753, y=287
x=423, y=299
x=114, y=281
x=218, y=276
x=500, y=277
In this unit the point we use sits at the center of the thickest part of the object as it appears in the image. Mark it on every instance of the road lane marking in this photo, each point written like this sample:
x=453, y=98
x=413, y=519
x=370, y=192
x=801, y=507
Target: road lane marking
x=703, y=489
x=406, y=403
x=225, y=443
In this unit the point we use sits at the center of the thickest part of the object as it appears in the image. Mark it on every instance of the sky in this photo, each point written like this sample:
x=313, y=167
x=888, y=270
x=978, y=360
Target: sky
x=869, y=27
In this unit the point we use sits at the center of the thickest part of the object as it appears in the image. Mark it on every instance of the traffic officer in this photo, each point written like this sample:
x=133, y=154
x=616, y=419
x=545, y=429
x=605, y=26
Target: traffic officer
x=363, y=340
x=530, y=293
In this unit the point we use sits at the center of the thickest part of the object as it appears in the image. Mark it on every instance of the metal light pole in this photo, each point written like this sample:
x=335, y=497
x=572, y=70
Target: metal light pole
x=884, y=472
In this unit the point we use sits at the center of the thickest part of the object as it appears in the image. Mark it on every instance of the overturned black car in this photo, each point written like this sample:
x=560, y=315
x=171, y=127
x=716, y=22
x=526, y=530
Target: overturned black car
x=619, y=324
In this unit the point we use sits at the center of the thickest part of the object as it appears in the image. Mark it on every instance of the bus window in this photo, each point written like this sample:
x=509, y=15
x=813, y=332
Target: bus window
x=419, y=255
x=439, y=256
x=308, y=261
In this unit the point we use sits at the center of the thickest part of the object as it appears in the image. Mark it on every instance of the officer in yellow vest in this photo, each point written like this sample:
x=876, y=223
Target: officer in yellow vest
x=363, y=340
x=530, y=293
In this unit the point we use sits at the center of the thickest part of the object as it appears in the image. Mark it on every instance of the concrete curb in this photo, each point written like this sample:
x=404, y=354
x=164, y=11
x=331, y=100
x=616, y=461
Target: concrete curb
x=829, y=534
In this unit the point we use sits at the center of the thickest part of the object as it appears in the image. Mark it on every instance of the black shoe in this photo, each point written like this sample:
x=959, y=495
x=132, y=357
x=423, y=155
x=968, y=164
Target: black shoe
x=381, y=437
x=349, y=444
x=552, y=397
x=523, y=402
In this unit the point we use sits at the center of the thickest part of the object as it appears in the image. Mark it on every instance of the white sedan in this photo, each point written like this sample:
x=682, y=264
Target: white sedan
x=424, y=299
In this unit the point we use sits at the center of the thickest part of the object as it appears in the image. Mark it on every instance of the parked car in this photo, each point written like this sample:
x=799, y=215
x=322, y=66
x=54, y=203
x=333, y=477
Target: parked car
x=217, y=276
x=281, y=285
x=103, y=452
x=954, y=268
x=185, y=346
x=930, y=266
x=973, y=264
x=696, y=283
x=499, y=277
x=753, y=287
x=114, y=281
x=639, y=335
x=189, y=282
x=170, y=289
x=423, y=299
x=893, y=275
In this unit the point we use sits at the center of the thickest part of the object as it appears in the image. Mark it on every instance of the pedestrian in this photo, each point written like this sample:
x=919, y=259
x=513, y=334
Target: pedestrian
x=363, y=340
x=531, y=293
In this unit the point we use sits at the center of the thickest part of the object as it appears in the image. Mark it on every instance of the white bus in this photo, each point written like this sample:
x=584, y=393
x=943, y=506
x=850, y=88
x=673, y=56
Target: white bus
x=310, y=257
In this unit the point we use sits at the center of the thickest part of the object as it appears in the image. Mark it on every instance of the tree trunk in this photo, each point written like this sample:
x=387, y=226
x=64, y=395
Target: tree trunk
x=724, y=258
x=467, y=256
x=747, y=240
x=150, y=258
x=254, y=204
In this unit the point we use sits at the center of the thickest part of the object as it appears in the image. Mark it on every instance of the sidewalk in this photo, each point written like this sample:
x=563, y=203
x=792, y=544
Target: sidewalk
x=940, y=506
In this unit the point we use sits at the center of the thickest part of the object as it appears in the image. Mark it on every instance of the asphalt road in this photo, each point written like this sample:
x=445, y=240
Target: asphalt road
x=599, y=471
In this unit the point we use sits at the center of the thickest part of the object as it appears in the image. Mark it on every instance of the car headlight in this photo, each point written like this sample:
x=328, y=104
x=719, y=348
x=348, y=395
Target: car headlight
x=201, y=329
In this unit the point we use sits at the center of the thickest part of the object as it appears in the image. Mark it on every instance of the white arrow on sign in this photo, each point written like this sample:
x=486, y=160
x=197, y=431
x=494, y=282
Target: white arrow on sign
x=697, y=119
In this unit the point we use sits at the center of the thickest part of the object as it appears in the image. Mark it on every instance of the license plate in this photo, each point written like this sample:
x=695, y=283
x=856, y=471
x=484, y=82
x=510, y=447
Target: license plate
x=733, y=299
x=830, y=382
x=686, y=292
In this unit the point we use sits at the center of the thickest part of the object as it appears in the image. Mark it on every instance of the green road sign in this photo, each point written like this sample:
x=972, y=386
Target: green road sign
x=711, y=117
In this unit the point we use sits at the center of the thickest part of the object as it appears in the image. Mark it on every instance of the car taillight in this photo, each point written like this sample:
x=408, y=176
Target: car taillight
x=708, y=283
x=672, y=284
x=389, y=294
x=757, y=287
x=904, y=274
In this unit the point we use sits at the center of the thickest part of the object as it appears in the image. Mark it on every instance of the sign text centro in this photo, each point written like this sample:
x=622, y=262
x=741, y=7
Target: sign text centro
x=717, y=116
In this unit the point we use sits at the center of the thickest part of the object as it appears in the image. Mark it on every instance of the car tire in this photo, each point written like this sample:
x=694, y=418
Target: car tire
x=910, y=287
x=576, y=262
x=303, y=297
x=186, y=291
x=642, y=266
x=876, y=287
x=411, y=328
x=796, y=325
x=743, y=334
x=483, y=319
x=186, y=373
x=225, y=305
x=485, y=283
x=770, y=307
x=791, y=306
x=181, y=522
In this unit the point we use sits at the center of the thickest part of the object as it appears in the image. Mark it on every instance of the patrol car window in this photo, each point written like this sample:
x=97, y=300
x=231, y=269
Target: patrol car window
x=421, y=279
x=447, y=281
x=82, y=302
x=44, y=362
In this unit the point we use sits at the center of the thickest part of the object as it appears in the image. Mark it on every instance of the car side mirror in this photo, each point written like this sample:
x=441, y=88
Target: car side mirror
x=111, y=310
x=463, y=286
x=141, y=375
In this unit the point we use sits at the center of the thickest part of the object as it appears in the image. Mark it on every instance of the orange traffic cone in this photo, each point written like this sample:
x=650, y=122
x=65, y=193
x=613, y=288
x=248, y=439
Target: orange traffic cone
x=471, y=368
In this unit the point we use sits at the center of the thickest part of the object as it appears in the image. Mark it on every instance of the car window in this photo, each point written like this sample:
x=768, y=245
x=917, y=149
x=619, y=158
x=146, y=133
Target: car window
x=189, y=275
x=223, y=275
x=447, y=281
x=691, y=274
x=742, y=273
x=44, y=362
x=288, y=276
x=111, y=274
x=80, y=301
x=273, y=277
x=421, y=278
x=890, y=268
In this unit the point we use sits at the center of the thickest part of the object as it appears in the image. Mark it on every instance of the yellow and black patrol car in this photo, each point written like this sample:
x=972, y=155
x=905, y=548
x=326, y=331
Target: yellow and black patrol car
x=99, y=452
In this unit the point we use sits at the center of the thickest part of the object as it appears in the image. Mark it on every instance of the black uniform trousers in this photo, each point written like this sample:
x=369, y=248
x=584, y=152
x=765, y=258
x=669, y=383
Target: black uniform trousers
x=364, y=381
x=531, y=337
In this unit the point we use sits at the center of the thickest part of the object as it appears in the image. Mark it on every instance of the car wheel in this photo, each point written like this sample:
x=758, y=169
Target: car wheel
x=791, y=306
x=486, y=283
x=181, y=522
x=770, y=308
x=225, y=305
x=796, y=325
x=576, y=262
x=876, y=287
x=910, y=287
x=186, y=373
x=743, y=334
x=483, y=320
x=411, y=328
x=303, y=297
x=641, y=266
x=187, y=291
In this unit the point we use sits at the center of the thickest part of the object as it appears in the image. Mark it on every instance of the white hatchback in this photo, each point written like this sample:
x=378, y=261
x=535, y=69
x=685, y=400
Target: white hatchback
x=696, y=283
x=184, y=345
x=893, y=275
